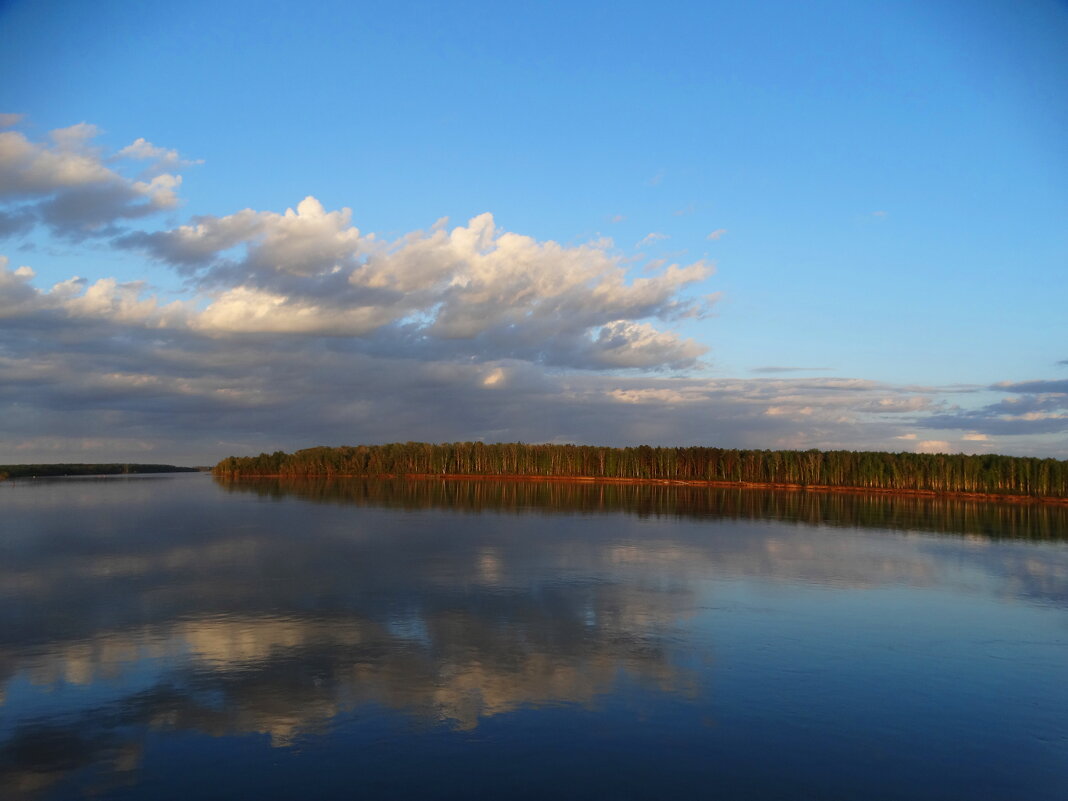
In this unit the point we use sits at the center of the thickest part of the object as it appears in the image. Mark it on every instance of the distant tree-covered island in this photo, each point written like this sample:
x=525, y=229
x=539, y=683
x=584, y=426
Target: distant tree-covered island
x=863, y=470
x=45, y=470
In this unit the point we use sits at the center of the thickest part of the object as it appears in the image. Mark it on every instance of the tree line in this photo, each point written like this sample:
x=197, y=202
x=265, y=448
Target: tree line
x=993, y=474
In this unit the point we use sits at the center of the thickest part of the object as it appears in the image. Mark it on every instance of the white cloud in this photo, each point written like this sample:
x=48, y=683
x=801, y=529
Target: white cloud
x=28, y=168
x=110, y=301
x=475, y=289
x=247, y=310
x=68, y=184
x=472, y=291
x=626, y=344
x=306, y=241
x=717, y=234
x=163, y=159
x=105, y=300
x=10, y=120
x=975, y=437
x=650, y=239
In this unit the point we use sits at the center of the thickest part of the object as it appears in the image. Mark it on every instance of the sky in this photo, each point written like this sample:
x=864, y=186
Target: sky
x=228, y=228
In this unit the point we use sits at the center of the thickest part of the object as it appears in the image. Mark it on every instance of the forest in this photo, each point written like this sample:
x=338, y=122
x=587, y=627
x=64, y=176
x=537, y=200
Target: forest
x=942, y=473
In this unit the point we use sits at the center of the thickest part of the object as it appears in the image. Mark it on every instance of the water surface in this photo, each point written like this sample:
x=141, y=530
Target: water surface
x=171, y=637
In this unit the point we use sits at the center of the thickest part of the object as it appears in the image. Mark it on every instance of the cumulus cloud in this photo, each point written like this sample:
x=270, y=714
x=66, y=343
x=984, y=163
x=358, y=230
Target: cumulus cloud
x=304, y=242
x=474, y=290
x=626, y=344
x=68, y=184
x=16, y=294
x=41, y=168
x=105, y=300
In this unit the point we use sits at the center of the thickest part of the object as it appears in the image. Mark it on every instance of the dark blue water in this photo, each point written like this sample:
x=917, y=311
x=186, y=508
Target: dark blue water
x=169, y=637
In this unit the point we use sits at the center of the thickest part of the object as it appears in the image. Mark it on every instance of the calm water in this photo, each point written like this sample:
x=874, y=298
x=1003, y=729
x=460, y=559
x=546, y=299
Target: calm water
x=169, y=637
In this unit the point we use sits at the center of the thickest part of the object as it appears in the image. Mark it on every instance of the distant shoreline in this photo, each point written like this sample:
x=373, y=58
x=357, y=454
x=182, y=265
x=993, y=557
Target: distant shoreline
x=980, y=477
x=73, y=469
x=983, y=497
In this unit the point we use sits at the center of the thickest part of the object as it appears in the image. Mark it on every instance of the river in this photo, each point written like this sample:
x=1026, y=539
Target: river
x=174, y=637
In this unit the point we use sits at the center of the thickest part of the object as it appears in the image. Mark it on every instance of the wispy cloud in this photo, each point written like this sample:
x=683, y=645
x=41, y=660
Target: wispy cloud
x=717, y=234
x=1033, y=387
x=161, y=159
x=788, y=369
x=1030, y=408
x=651, y=239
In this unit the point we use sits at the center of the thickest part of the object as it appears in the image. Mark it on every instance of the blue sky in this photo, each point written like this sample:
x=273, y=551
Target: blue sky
x=870, y=196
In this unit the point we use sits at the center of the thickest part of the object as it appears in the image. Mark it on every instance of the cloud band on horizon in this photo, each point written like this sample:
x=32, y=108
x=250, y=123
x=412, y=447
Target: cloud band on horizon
x=297, y=328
